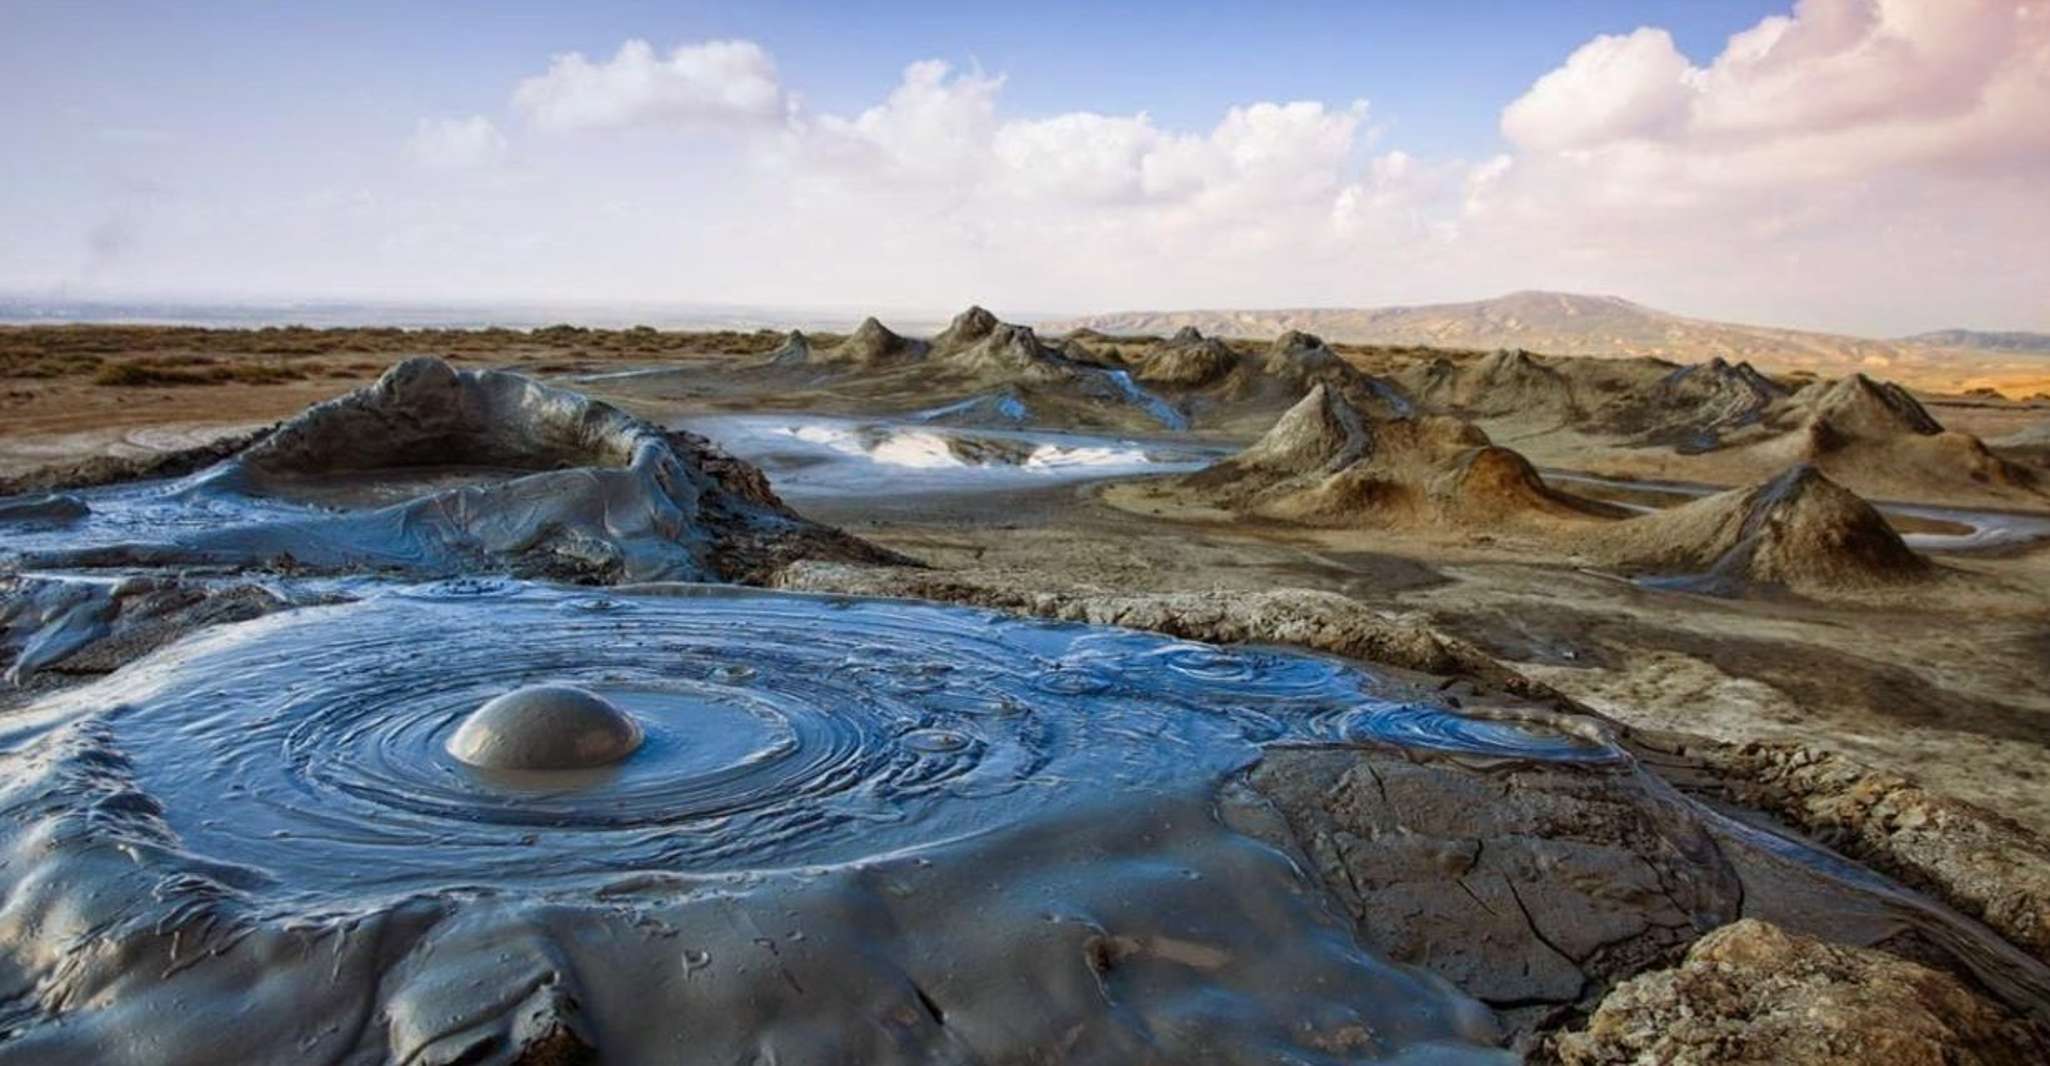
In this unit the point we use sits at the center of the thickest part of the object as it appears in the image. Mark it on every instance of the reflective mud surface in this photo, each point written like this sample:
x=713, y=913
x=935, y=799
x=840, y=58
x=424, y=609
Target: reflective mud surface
x=808, y=457
x=813, y=457
x=164, y=510
x=311, y=749
x=148, y=510
x=545, y=483
x=994, y=835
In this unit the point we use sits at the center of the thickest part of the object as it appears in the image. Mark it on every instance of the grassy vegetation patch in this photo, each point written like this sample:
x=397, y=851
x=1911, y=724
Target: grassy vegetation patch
x=201, y=371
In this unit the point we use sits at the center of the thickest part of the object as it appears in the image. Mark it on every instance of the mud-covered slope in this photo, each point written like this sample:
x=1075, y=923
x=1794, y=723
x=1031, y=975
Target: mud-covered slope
x=872, y=344
x=1187, y=360
x=1327, y=461
x=1800, y=530
x=1641, y=401
x=1875, y=434
x=577, y=489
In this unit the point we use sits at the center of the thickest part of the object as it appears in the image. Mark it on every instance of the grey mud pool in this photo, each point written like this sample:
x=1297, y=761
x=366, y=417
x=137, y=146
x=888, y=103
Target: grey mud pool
x=923, y=815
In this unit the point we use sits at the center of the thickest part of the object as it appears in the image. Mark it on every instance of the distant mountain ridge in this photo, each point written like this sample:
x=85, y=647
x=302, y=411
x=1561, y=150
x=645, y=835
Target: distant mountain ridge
x=1558, y=323
x=1984, y=340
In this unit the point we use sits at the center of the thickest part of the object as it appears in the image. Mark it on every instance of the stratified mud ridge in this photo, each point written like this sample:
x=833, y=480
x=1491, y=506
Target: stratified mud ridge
x=1982, y=864
x=558, y=485
x=985, y=836
x=1692, y=408
x=1855, y=428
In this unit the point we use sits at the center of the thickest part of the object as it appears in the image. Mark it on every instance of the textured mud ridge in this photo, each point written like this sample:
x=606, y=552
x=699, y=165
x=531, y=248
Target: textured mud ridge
x=872, y=829
x=442, y=471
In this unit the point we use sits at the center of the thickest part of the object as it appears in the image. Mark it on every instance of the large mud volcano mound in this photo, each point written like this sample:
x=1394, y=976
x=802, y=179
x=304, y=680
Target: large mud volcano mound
x=425, y=412
x=852, y=830
x=1510, y=381
x=871, y=345
x=1187, y=360
x=1645, y=401
x=1799, y=530
x=551, y=483
x=1876, y=436
x=1328, y=461
x=1858, y=406
x=1297, y=362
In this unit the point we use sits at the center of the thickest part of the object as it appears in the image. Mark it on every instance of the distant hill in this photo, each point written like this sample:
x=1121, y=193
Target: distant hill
x=1984, y=340
x=1563, y=323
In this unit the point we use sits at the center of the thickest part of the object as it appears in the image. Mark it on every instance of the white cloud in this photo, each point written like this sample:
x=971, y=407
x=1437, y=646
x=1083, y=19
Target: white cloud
x=1871, y=164
x=456, y=143
x=1818, y=169
x=935, y=125
x=713, y=82
x=1081, y=156
x=1841, y=87
x=1766, y=175
x=1612, y=88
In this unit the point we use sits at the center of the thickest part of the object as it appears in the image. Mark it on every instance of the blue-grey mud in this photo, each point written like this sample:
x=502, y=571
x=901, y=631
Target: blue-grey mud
x=897, y=815
x=881, y=829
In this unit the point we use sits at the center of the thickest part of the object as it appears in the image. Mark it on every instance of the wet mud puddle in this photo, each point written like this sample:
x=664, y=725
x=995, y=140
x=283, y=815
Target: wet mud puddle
x=164, y=510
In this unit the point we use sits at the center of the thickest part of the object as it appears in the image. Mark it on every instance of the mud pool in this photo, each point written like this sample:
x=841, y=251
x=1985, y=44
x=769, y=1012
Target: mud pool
x=814, y=457
x=880, y=787
x=308, y=750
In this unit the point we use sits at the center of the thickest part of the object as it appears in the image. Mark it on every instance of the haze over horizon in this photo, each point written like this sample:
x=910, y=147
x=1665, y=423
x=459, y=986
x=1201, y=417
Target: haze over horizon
x=1858, y=166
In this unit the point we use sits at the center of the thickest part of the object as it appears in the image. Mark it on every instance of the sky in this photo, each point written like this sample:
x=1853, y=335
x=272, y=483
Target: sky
x=1867, y=166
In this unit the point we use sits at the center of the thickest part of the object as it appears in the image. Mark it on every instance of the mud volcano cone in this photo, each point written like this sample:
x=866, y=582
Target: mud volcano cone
x=872, y=344
x=1799, y=529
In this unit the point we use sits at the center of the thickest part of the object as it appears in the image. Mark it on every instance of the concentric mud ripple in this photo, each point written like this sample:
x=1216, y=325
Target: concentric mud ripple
x=781, y=731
